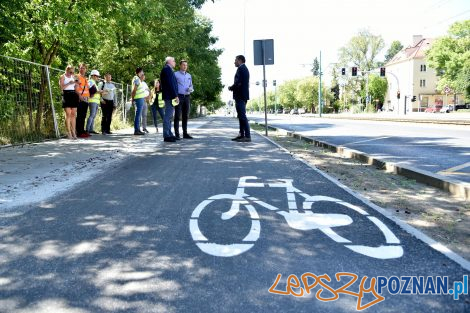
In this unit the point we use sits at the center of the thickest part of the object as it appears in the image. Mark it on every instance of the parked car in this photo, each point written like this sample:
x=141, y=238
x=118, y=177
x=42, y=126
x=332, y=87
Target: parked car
x=462, y=106
x=286, y=111
x=433, y=109
x=447, y=109
x=301, y=111
x=279, y=111
x=294, y=111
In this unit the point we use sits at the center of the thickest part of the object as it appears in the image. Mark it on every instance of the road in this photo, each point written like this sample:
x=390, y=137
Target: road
x=437, y=148
x=148, y=236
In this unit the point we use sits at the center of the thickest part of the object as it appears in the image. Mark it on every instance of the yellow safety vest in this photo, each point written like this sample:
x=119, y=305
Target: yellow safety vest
x=96, y=97
x=140, y=92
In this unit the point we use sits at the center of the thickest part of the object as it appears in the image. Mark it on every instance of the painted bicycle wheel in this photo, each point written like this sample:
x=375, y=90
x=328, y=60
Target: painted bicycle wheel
x=230, y=249
x=389, y=249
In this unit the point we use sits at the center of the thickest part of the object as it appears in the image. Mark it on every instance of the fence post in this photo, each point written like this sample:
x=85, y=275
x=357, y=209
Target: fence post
x=56, y=127
x=123, y=103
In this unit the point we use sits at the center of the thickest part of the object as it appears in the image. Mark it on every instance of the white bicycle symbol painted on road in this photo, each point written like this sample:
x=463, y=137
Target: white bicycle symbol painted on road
x=306, y=220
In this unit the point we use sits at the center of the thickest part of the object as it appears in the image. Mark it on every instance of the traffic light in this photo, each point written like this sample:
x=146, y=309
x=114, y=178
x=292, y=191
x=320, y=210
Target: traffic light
x=354, y=71
x=274, y=82
x=343, y=71
x=413, y=99
x=398, y=94
x=382, y=71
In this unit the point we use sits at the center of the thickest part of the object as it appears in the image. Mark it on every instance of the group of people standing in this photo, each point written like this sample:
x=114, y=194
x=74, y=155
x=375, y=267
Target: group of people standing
x=175, y=89
x=80, y=93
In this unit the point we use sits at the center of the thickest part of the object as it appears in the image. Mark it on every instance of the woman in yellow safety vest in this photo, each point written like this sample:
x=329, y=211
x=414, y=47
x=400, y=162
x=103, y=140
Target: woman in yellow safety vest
x=93, y=101
x=138, y=98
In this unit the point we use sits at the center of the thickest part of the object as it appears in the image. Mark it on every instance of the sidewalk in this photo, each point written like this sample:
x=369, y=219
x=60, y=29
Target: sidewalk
x=34, y=172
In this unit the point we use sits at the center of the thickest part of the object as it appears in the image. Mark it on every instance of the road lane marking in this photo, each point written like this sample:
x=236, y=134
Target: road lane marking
x=368, y=140
x=454, y=170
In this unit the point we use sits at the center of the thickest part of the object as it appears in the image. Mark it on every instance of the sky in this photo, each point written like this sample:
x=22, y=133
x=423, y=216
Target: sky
x=303, y=28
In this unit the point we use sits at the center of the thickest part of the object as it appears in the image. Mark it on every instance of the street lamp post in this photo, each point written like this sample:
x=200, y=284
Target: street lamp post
x=398, y=89
x=275, y=97
x=244, y=27
x=319, y=87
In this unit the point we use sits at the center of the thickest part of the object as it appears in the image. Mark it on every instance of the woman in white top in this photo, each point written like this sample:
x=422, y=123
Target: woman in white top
x=146, y=103
x=69, y=99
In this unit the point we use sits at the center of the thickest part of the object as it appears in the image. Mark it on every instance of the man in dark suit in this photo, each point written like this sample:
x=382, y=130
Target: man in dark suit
x=169, y=88
x=241, y=95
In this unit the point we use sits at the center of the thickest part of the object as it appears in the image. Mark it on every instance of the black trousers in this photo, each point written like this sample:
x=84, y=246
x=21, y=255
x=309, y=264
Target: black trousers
x=182, y=109
x=82, y=110
x=107, y=111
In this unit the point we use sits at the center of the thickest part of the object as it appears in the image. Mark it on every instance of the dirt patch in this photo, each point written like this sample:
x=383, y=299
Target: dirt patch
x=441, y=216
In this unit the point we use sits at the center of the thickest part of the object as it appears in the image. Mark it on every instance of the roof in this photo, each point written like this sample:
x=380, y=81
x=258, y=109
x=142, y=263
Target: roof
x=417, y=51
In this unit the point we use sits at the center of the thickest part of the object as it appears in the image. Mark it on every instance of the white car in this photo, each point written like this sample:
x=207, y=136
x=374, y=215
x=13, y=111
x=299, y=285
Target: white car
x=447, y=109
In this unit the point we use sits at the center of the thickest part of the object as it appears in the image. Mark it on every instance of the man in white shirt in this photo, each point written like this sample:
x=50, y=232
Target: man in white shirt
x=108, y=104
x=146, y=104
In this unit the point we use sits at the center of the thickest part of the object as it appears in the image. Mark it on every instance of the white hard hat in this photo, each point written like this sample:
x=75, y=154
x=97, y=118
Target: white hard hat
x=95, y=72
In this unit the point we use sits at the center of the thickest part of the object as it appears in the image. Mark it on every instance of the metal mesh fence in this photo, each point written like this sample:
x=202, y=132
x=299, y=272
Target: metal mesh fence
x=31, y=102
x=26, y=110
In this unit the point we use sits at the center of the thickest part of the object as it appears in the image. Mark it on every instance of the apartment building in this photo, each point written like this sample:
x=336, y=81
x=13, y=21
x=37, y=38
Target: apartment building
x=409, y=74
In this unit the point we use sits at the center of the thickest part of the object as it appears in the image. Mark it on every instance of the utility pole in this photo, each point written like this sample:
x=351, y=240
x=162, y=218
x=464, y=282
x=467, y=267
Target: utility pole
x=319, y=87
x=367, y=90
x=275, y=96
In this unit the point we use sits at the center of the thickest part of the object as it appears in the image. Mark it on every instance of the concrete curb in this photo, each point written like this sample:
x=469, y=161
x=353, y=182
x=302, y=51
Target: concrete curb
x=433, y=244
x=453, y=186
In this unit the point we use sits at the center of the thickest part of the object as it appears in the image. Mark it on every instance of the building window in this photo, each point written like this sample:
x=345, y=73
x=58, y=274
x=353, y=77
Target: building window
x=423, y=68
x=422, y=83
x=425, y=101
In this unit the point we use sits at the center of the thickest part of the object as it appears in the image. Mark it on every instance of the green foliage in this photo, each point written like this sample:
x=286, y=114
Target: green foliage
x=306, y=94
x=303, y=93
x=114, y=37
x=287, y=94
x=362, y=51
x=450, y=56
x=395, y=47
x=377, y=88
x=315, y=67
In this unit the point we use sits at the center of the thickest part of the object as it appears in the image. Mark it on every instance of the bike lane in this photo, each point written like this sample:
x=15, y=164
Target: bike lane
x=124, y=243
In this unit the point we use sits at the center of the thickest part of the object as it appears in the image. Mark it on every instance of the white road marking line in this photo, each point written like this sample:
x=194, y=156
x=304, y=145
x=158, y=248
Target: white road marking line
x=224, y=250
x=367, y=140
x=389, y=236
x=195, y=231
x=453, y=170
x=382, y=252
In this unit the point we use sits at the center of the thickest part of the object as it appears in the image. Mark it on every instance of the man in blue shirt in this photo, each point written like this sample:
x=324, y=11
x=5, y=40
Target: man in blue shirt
x=185, y=88
x=169, y=88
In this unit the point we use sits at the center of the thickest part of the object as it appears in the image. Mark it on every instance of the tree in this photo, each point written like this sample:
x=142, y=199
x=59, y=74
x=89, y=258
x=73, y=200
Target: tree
x=287, y=93
x=450, y=56
x=116, y=38
x=334, y=85
x=377, y=89
x=315, y=67
x=306, y=94
x=395, y=47
x=362, y=51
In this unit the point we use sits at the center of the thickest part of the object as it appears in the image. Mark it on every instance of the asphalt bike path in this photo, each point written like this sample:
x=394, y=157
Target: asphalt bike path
x=209, y=225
